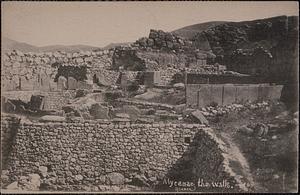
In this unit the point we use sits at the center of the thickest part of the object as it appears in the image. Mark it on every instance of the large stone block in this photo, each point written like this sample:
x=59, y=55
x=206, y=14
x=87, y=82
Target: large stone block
x=149, y=79
x=263, y=92
x=52, y=85
x=36, y=83
x=204, y=96
x=45, y=82
x=72, y=83
x=192, y=95
x=15, y=82
x=62, y=83
x=253, y=93
x=7, y=85
x=26, y=85
x=275, y=92
x=217, y=94
x=83, y=85
x=229, y=94
x=99, y=112
x=242, y=93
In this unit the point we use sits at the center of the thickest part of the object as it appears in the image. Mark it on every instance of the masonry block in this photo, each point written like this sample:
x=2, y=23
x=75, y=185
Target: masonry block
x=229, y=94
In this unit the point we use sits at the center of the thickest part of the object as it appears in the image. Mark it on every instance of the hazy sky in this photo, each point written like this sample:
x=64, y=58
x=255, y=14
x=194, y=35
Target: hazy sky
x=101, y=23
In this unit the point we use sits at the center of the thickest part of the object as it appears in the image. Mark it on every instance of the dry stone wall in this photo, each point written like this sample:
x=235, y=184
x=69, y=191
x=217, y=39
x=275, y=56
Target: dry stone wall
x=37, y=71
x=83, y=152
x=9, y=127
x=53, y=100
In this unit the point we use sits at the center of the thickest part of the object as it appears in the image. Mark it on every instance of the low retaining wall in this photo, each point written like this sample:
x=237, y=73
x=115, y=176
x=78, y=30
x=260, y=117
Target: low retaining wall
x=201, y=95
x=82, y=153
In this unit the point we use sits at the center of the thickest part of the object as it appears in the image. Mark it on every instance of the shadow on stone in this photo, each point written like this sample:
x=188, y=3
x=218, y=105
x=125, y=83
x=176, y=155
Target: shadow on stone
x=200, y=169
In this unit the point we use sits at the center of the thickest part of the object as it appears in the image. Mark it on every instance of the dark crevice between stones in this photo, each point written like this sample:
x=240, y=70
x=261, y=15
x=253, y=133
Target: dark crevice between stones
x=8, y=140
x=77, y=72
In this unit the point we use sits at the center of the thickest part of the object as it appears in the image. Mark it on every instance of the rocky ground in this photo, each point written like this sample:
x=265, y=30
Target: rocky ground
x=264, y=132
x=267, y=136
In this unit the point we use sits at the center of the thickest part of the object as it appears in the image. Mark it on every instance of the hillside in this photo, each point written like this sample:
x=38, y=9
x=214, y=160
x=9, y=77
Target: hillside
x=112, y=45
x=264, y=47
x=9, y=44
x=70, y=48
x=189, y=32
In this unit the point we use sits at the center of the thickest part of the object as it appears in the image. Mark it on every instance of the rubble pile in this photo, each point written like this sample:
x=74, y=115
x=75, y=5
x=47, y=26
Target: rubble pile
x=212, y=111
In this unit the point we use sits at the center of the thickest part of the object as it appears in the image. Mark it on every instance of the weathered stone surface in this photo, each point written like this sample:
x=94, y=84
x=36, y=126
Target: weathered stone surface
x=43, y=170
x=72, y=83
x=13, y=186
x=82, y=151
x=99, y=112
x=132, y=111
x=79, y=177
x=45, y=82
x=246, y=130
x=115, y=179
x=34, y=182
x=52, y=118
x=180, y=108
x=200, y=118
x=179, y=85
x=62, y=83
x=122, y=115
x=26, y=85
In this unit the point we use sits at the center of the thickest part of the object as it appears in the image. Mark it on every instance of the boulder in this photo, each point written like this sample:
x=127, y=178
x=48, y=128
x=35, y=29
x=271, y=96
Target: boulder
x=261, y=129
x=34, y=182
x=52, y=118
x=13, y=186
x=78, y=177
x=115, y=179
x=179, y=108
x=43, y=170
x=132, y=111
x=99, y=112
x=122, y=115
x=246, y=130
x=197, y=114
x=140, y=180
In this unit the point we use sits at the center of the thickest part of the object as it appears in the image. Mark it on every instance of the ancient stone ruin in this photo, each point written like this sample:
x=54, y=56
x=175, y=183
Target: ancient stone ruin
x=135, y=118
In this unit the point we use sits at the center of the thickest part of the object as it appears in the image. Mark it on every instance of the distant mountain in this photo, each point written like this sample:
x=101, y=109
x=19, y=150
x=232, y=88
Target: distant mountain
x=9, y=44
x=112, y=45
x=189, y=32
x=70, y=48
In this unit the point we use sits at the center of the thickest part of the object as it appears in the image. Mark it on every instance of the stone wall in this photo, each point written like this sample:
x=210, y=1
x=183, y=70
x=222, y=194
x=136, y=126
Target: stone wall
x=37, y=71
x=201, y=95
x=83, y=152
x=9, y=127
x=53, y=100
x=196, y=78
x=166, y=76
x=156, y=61
x=161, y=40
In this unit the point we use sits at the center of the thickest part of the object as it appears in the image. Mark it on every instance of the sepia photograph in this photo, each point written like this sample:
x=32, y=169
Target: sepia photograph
x=149, y=97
